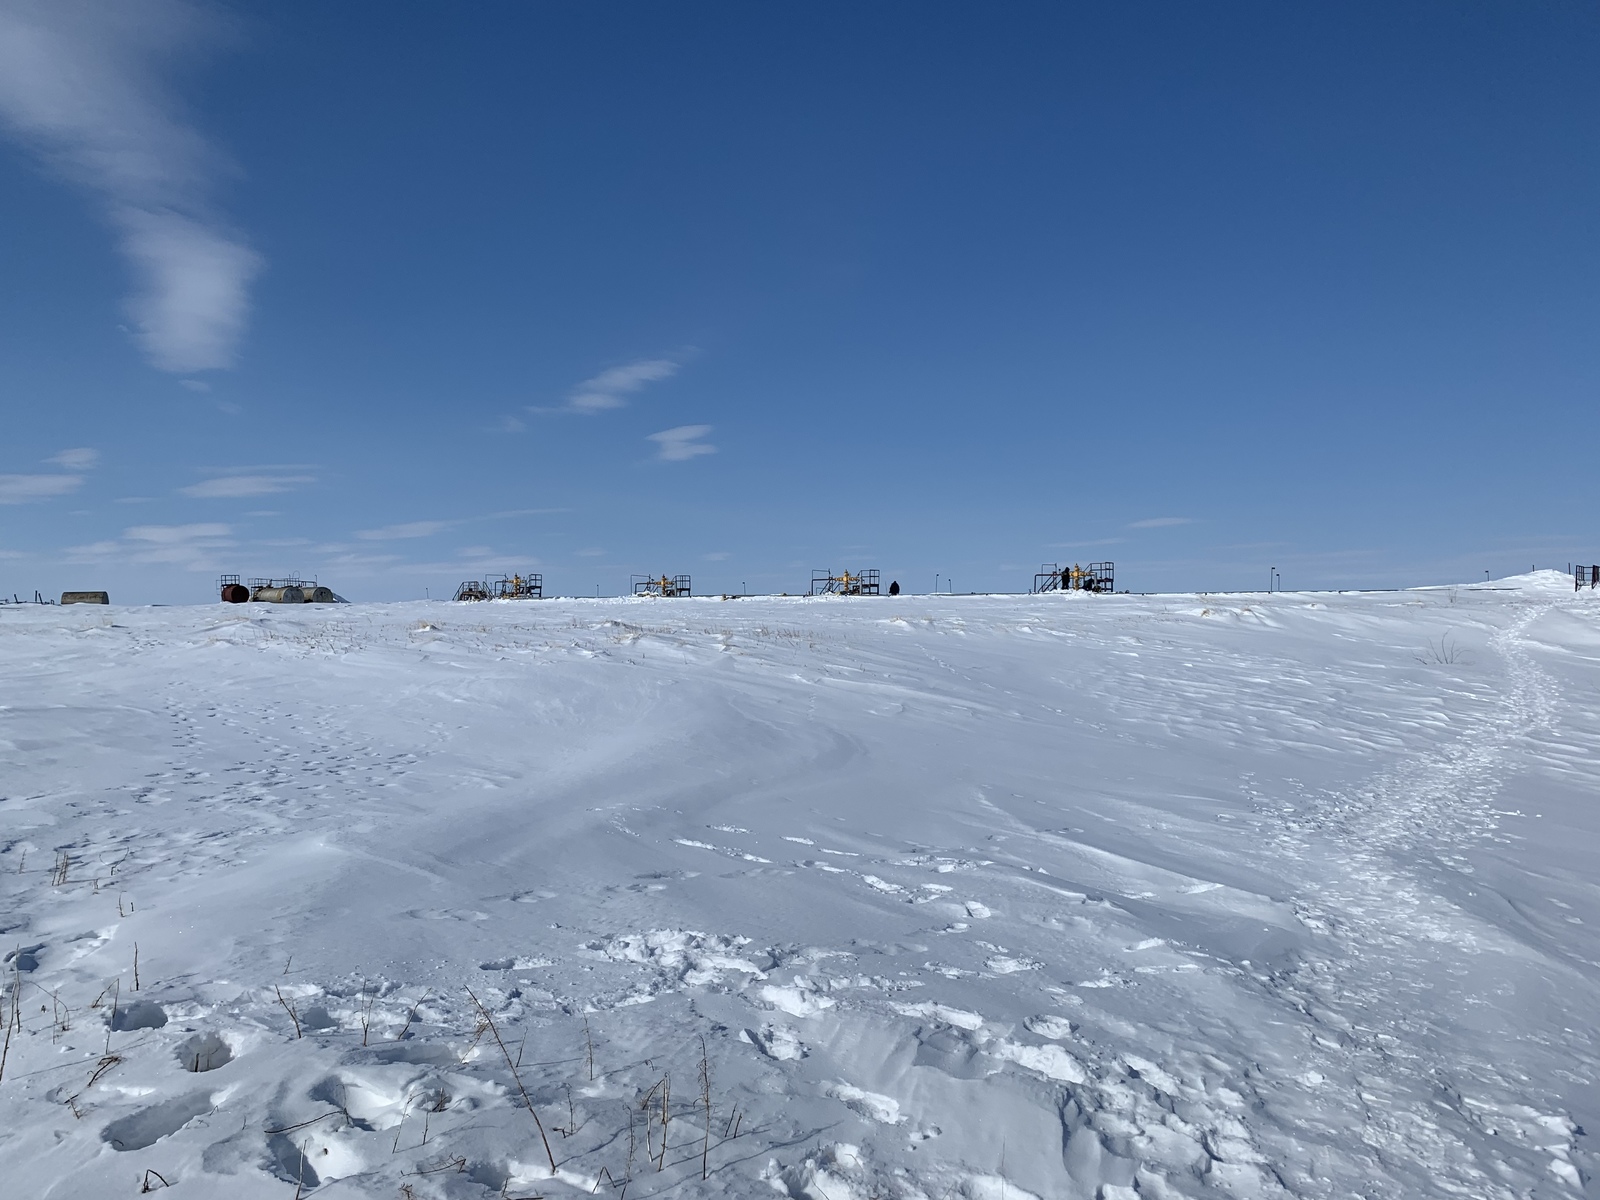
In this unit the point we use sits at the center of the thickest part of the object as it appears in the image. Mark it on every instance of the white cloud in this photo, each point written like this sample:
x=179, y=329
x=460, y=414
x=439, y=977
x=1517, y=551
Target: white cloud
x=191, y=547
x=412, y=529
x=682, y=442
x=245, y=483
x=1161, y=522
x=80, y=459
x=170, y=535
x=80, y=85
x=94, y=551
x=23, y=489
x=609, y=389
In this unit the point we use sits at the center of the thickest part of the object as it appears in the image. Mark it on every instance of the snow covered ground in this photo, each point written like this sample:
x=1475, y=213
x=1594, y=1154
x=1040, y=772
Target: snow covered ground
x=983, y=897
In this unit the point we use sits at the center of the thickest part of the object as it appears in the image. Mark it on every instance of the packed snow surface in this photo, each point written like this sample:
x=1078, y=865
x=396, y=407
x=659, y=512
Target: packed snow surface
x=982, y=897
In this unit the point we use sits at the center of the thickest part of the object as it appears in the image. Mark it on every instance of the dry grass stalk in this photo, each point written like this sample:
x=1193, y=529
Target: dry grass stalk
x=511, y=1066
x=111, y=1021
x=411, y=1016
x=705, y=1100
x=13, y=1021
x=288, y=1007
x=664, y=1086
x=367, y=998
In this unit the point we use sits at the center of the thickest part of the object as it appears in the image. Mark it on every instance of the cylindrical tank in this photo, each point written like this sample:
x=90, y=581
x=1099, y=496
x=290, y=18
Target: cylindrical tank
x=235, y=593
x=320, y=595
x=283, y=595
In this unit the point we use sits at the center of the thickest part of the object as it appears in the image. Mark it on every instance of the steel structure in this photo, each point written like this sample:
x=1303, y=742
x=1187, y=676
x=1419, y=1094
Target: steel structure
x=669, y=586
x=523, y=586
x=826, y=583
x=289, y=581
x=1583, y=577
x=289, y=590
x=1096, y=577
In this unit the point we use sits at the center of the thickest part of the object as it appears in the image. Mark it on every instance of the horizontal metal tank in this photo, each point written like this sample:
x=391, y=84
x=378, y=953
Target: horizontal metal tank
x=279, y=595
x=235, y=593
x=320, y=595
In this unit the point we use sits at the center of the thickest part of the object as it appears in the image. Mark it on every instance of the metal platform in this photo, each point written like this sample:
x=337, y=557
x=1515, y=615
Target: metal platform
x=669, y=586
x=826, y=583
x=527, y=585
x=1096, y=577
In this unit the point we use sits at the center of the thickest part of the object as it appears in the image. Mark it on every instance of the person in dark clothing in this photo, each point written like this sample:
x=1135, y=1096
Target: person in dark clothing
x=894, y=587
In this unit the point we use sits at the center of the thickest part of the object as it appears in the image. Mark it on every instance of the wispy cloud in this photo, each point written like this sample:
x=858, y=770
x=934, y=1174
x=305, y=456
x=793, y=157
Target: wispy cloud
x=81, y=85
x=241, y=482
x=682, y=442
x=412, y=529
x=24, y=489
x=1160, y=522
x=80, y=459
x=173, y=535
x=611, y=388
x=191, y=547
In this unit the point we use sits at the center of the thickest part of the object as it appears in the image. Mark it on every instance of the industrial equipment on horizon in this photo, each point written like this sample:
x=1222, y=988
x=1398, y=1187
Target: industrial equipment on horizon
x=669, y=586
x=1096, y=577
x=826, y=583
x=1584, y=577
x=502, y=587
x=292, y=590
x=85, y=598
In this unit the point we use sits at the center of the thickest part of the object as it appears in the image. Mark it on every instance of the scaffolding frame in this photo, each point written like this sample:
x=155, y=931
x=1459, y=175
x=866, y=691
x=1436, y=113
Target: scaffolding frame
x=522, y=585
x=1585, y=577
x=1096, y=577
x=862, y=583
x=668, y=586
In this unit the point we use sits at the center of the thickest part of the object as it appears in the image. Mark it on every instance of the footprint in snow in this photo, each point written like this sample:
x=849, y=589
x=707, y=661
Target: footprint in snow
x=149, y=1126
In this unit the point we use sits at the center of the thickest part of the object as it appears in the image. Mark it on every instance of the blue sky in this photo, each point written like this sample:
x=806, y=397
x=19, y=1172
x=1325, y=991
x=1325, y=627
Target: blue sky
x=400, y=294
